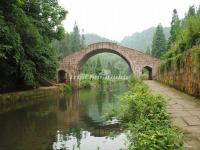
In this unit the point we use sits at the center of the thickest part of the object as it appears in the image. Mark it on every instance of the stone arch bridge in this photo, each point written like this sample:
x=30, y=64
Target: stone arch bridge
x=70, y=66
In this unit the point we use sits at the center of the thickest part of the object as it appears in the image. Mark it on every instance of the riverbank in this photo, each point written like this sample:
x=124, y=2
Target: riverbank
x=184, y=111
x=144, y=115
x=16, y=100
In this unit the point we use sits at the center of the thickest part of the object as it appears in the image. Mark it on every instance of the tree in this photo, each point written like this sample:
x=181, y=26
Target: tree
x=72, y=42
x=82, y=39
x=76, y=38
x=159, y=42
x=89, y=66
x=98, y=68
x=191, y=11
x=175, y=28
x=110, y=67
x=27, y=29
x=148, y=51
x=188, y=38
x=198, y=11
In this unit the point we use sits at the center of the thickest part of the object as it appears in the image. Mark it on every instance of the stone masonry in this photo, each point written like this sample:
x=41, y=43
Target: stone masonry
x=72, y=64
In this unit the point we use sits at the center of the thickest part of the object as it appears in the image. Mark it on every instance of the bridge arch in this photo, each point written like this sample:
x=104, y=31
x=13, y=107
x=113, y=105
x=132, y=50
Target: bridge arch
x=135, y=59
x=61, y=76
x=100, y=51
x=149, y=69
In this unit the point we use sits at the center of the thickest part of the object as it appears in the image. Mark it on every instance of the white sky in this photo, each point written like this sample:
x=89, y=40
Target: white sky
x=115, y=19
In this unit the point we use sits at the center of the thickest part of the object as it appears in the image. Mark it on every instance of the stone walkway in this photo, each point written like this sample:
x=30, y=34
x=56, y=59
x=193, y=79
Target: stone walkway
x=185, y=113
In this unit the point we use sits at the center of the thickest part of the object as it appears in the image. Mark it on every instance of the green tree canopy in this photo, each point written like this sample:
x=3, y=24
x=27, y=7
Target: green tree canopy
x=175, y=28
x=76, y=38
x=98, y=68
x=159, y=42
x=191, y=11
x=187, y=38
x=27, y=29
x=72, y=42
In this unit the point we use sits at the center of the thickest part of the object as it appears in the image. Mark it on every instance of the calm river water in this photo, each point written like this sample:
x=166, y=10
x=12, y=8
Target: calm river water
x=76, y=116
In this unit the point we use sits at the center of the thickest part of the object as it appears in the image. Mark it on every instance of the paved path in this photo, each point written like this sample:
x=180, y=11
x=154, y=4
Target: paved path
x=185, y=113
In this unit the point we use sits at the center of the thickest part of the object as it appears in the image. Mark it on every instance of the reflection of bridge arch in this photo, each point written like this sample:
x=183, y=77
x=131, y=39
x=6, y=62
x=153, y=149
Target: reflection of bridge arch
x=135, y=59
x=96, y=129
x=68, y=111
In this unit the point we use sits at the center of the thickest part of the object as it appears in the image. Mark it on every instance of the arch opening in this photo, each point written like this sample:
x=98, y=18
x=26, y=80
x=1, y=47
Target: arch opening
x=110, y=64
x=102, y=51
x=61, y=76
x=147, y=72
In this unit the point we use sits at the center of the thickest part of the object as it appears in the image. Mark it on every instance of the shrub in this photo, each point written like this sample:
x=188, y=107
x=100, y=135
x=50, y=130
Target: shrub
x=144, y=76
x=68, y=87
x=85, y=83
x=134, y=79
x=196, y=56
x=147, y=120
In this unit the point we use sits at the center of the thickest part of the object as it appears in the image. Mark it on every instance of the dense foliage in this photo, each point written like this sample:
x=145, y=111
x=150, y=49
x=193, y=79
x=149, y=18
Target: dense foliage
x=184, y=38
x=72, y=42
x=149, y=126
x=85, y=83
x=26, y=31
x=98, y=68
x=175, y=28
x=158, y=43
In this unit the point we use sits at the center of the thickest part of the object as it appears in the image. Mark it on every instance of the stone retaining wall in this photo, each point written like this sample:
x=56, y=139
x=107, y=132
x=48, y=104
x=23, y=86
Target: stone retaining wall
x=16, y=100
x=185, y=79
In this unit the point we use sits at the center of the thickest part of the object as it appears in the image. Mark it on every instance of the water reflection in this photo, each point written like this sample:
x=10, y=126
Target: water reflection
x=69, y=108
x=89, y=142
x=78, y=116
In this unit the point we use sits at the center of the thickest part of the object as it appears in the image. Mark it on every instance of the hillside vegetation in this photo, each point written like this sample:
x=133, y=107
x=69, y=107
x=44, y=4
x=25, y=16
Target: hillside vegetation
x=94, y=38
x=184, y=35
x=142, y=40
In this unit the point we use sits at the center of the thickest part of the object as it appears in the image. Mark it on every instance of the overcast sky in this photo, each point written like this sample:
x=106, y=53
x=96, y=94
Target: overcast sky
x=115, y=19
